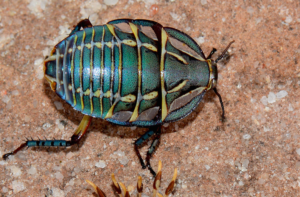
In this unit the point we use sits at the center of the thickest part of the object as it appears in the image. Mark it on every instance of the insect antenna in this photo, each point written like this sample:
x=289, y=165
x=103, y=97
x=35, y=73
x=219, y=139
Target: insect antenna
x=223, y=53
x=220, y=98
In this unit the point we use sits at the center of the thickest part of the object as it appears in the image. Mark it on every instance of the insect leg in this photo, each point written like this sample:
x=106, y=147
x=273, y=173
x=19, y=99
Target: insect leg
x=83, y=23
x=152, y=149
x=80, y=131
x=154, y=131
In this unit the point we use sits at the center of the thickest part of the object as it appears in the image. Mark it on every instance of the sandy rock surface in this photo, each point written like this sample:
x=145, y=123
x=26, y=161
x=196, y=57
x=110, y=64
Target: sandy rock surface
x=256, y=152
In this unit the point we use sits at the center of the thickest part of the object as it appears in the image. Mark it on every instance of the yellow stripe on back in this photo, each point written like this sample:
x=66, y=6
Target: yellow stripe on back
x=164, y=107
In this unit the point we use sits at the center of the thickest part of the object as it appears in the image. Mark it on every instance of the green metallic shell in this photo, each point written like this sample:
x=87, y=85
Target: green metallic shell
x=129, y=77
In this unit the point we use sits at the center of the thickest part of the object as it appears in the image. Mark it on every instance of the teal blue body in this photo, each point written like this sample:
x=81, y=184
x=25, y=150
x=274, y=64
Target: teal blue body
x=128, y=77
x=131, y=73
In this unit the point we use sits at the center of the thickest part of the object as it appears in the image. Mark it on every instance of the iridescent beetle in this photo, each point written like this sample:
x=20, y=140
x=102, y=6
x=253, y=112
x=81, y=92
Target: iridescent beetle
x=131, y=73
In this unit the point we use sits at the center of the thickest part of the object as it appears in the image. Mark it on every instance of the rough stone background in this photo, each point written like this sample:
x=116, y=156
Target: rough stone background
x=256, y=152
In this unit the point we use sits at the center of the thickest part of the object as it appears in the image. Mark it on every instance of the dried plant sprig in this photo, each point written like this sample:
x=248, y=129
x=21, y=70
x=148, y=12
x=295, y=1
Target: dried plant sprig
x=97, y=189
x=121, y=190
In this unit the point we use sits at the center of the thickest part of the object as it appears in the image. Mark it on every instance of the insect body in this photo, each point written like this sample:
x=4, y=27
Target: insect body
x=131, y=73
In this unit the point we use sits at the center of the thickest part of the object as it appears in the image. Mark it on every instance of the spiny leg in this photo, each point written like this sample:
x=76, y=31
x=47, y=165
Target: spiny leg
x=152, y=149
x=154, y=131
x=83, y=23
x=79, y=133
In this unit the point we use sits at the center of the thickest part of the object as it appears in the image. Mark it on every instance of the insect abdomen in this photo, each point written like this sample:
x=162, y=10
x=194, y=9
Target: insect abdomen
x=104, y=68
x=126, y=77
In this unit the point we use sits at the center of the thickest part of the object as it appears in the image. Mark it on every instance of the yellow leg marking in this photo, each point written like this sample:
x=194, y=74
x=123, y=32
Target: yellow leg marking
x=72, y=70
x=85, y=122
x=164, y=108
x=150, y=96
x=179, y=87
x=81, y=69
x=135, y=113
x=52, y=82
x=180, y=58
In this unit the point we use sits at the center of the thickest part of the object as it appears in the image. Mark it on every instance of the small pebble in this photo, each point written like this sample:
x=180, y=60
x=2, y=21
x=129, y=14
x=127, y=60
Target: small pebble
x=245, y=163
x=38, y=62
x=298, y=151
x=250, y=10
x=4, y=189
x=32, y=170
x=18, y=186
x=133, y=128
x=6, y=99
x=184, y=186
x=16, y=171
x=111, y=2
x=60, y=124
x=46, y=126
x=38, y=6
x=90, y=7
x=201, y=40
x=175, y=16
x=290, y=107
x=166, y=125
x=281, y=94
x=15, y=92
x=203, y=2
x=207, y=167
x=59, y=176
x=288, y=19
x=264, y=100
x=271, y=97
x=58, y=105
x=246, y=136
x=100, y=164
x=56, y=192
x=123, y=160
